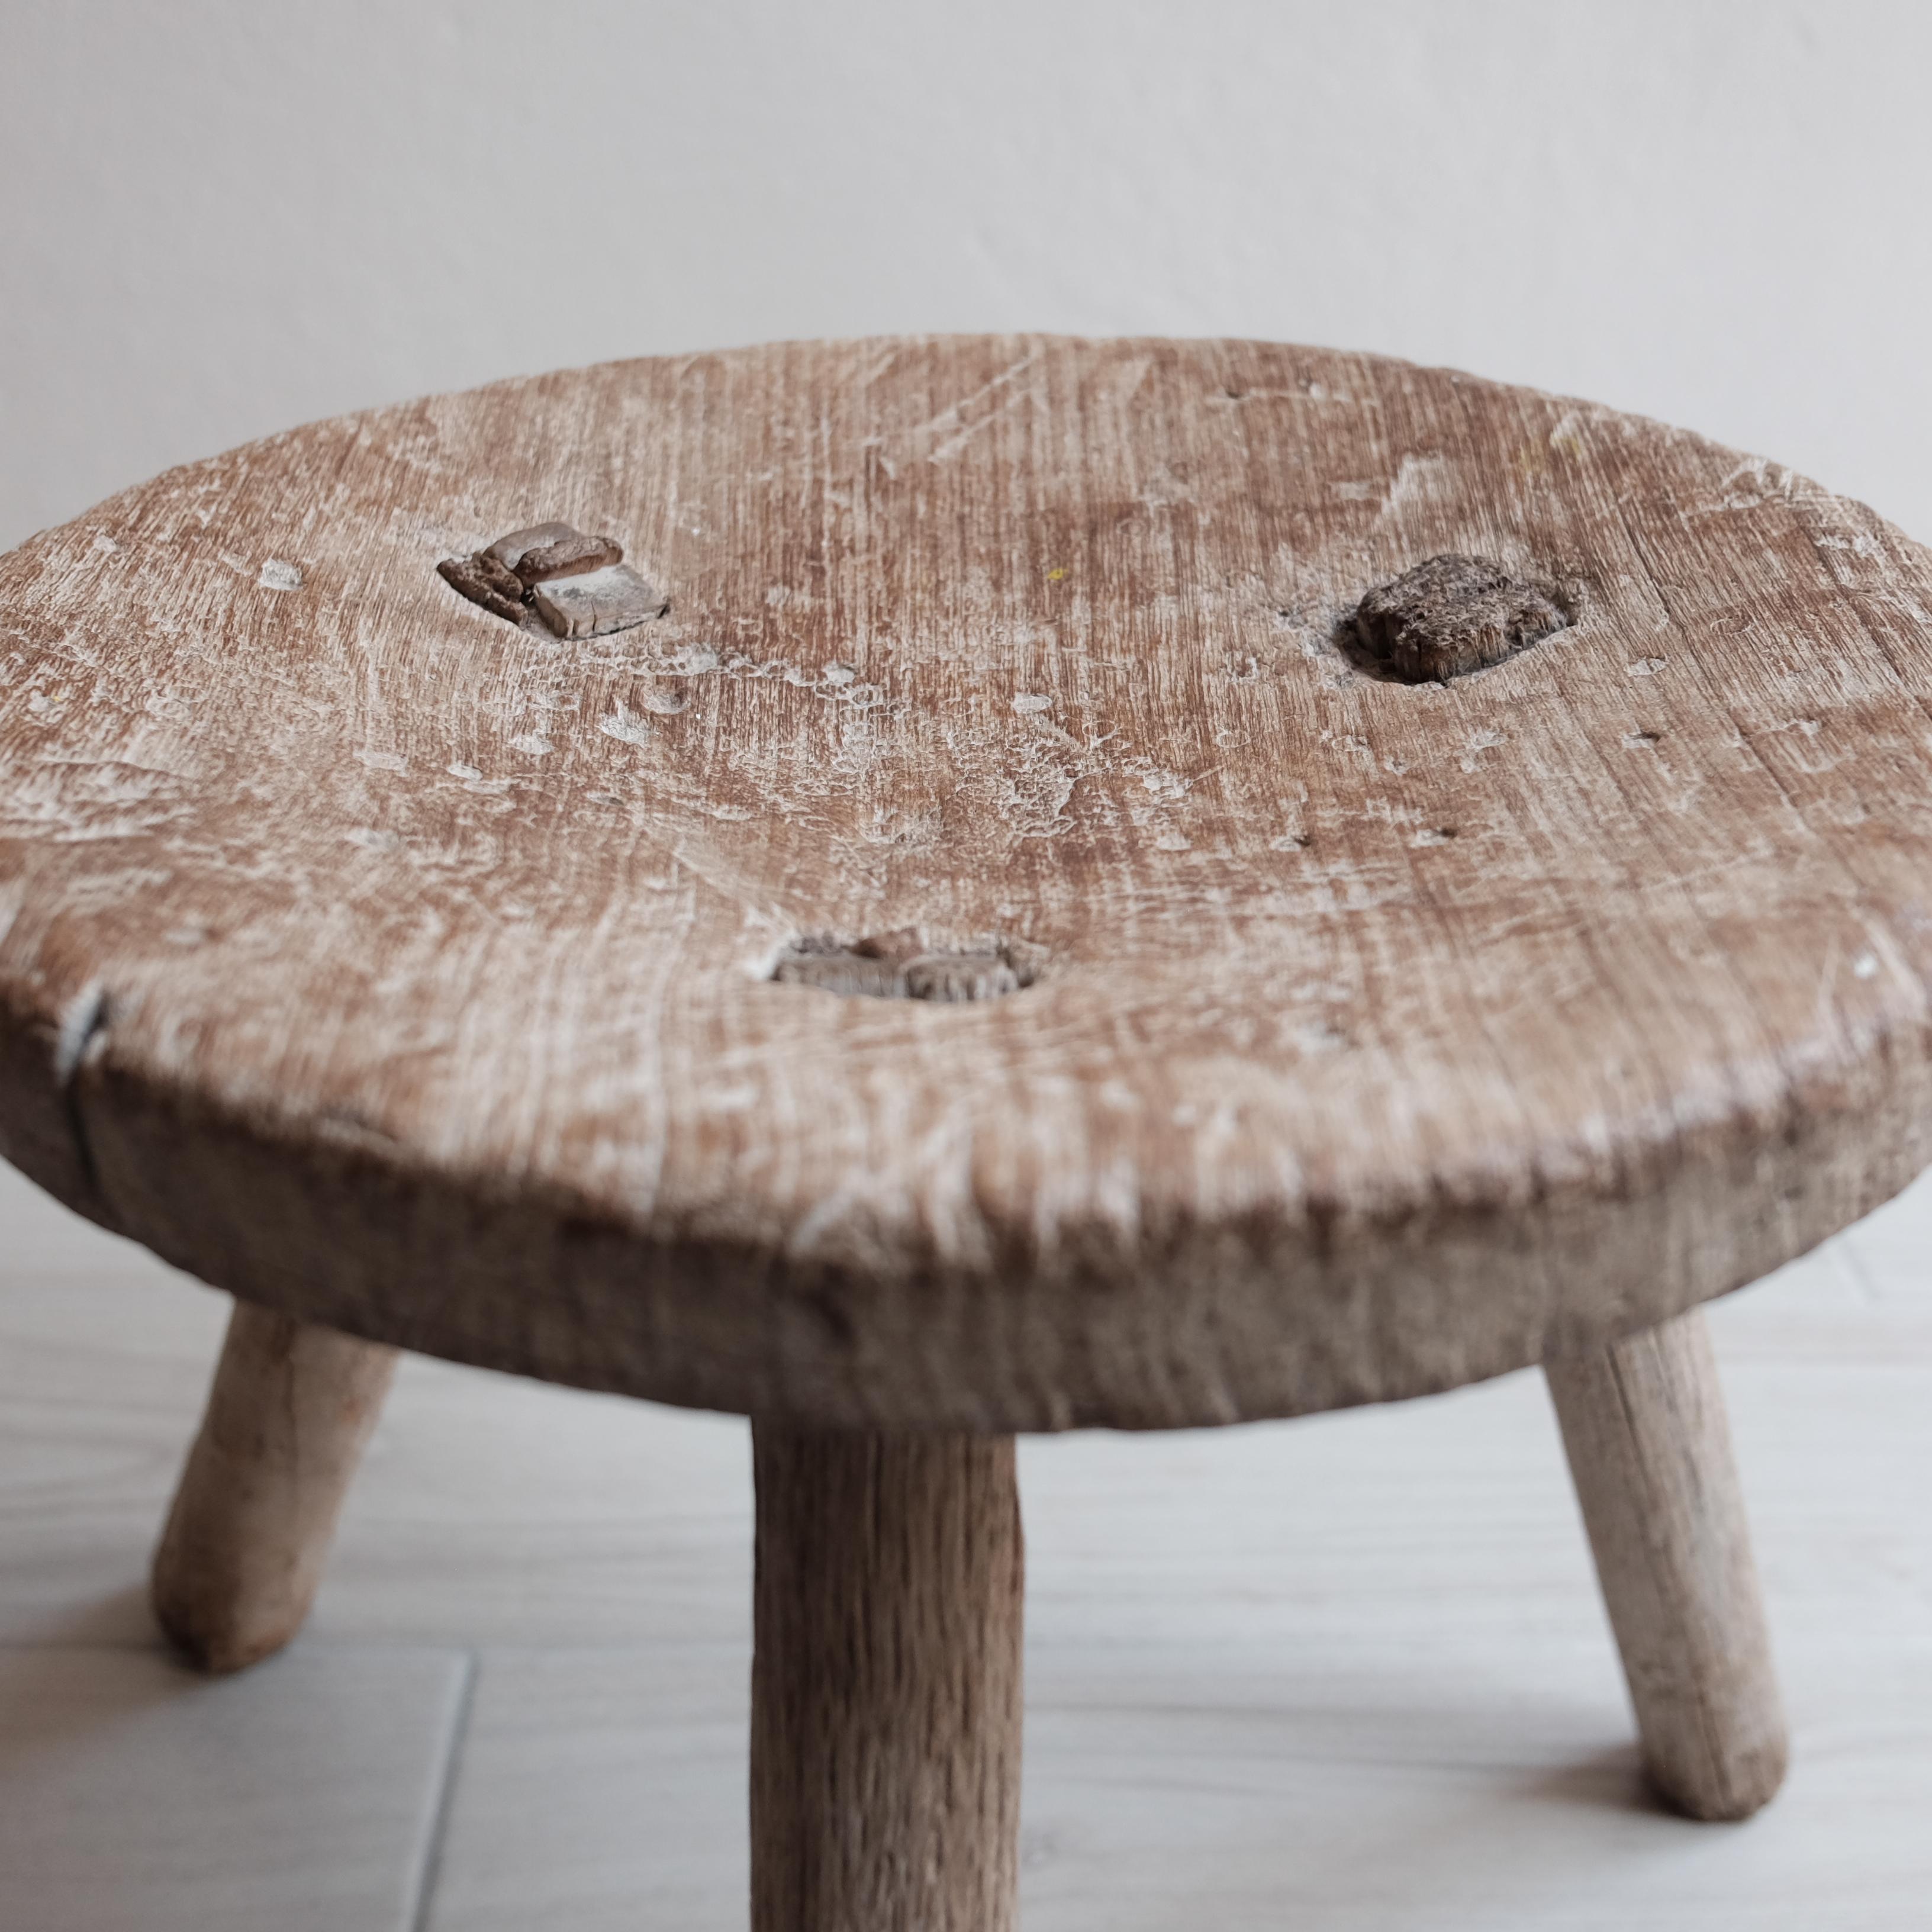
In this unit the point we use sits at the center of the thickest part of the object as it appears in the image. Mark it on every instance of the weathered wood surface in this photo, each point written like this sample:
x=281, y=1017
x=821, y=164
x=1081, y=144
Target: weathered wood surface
x=241, y=1559
x=1649, y=1446
x=408, y=972
x=885, y=1684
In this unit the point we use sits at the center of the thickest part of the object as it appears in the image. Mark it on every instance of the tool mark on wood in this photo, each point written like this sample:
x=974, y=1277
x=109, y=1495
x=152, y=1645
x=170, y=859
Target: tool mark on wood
x=1446, y=618
x=580, y=586
x=900, y=966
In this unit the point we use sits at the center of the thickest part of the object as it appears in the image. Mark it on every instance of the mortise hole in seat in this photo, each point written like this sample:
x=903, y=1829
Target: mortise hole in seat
x=899, y=966
x=1450, y=617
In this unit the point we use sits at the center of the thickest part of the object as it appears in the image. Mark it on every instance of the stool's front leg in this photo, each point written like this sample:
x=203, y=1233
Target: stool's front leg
x=1643, y=1423
x=292, y=1408
x=886, y=1691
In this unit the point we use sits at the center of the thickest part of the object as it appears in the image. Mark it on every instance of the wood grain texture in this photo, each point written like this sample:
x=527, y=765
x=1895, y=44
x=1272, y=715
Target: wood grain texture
x=408, y=973
x=291, y=1411
x=886, y=1682
x=1644, y=1426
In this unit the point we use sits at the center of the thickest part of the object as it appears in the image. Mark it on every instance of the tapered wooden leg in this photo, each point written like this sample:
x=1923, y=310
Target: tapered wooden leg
x=1643, y=1423
x=885, y=1690
x=292, y=1408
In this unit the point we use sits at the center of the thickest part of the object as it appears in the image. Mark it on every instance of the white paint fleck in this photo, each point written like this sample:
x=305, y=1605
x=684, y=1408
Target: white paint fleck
x=1418, y=480
x=276, y=575
x=1318, y=1036
x=83, y=1022
x=1865, y=966
x=1567, y=438
x=836, y=674
x=382, y=761
x=1027, y=701
x=1763, y=479
x=1647, y=666
x=625, y=726
x=1166, y=488
x=666, y=703
x=533, y=744
x=462, y=771
x=1478, y=743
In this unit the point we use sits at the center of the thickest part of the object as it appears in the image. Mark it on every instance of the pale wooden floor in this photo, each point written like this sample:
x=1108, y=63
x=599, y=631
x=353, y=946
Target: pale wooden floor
x=1344, y=1673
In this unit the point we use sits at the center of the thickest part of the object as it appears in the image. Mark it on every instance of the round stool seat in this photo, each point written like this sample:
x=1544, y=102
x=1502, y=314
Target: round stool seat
x=1028, y=897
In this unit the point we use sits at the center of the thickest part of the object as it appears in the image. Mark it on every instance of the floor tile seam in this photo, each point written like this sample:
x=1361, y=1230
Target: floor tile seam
x=435, y=1838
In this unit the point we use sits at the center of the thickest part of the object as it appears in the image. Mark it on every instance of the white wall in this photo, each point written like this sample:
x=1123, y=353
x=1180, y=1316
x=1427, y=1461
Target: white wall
x=220, y=217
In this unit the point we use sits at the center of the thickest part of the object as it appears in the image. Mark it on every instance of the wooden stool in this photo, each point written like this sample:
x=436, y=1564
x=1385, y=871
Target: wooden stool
x=916, y=890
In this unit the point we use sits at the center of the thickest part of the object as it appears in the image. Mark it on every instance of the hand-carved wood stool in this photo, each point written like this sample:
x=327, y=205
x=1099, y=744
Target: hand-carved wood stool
x=917, y=890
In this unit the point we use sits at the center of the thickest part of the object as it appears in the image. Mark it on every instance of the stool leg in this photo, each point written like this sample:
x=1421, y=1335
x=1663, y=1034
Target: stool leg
x=886, y=1687
x=1650, y=1449
x=290, y=1412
